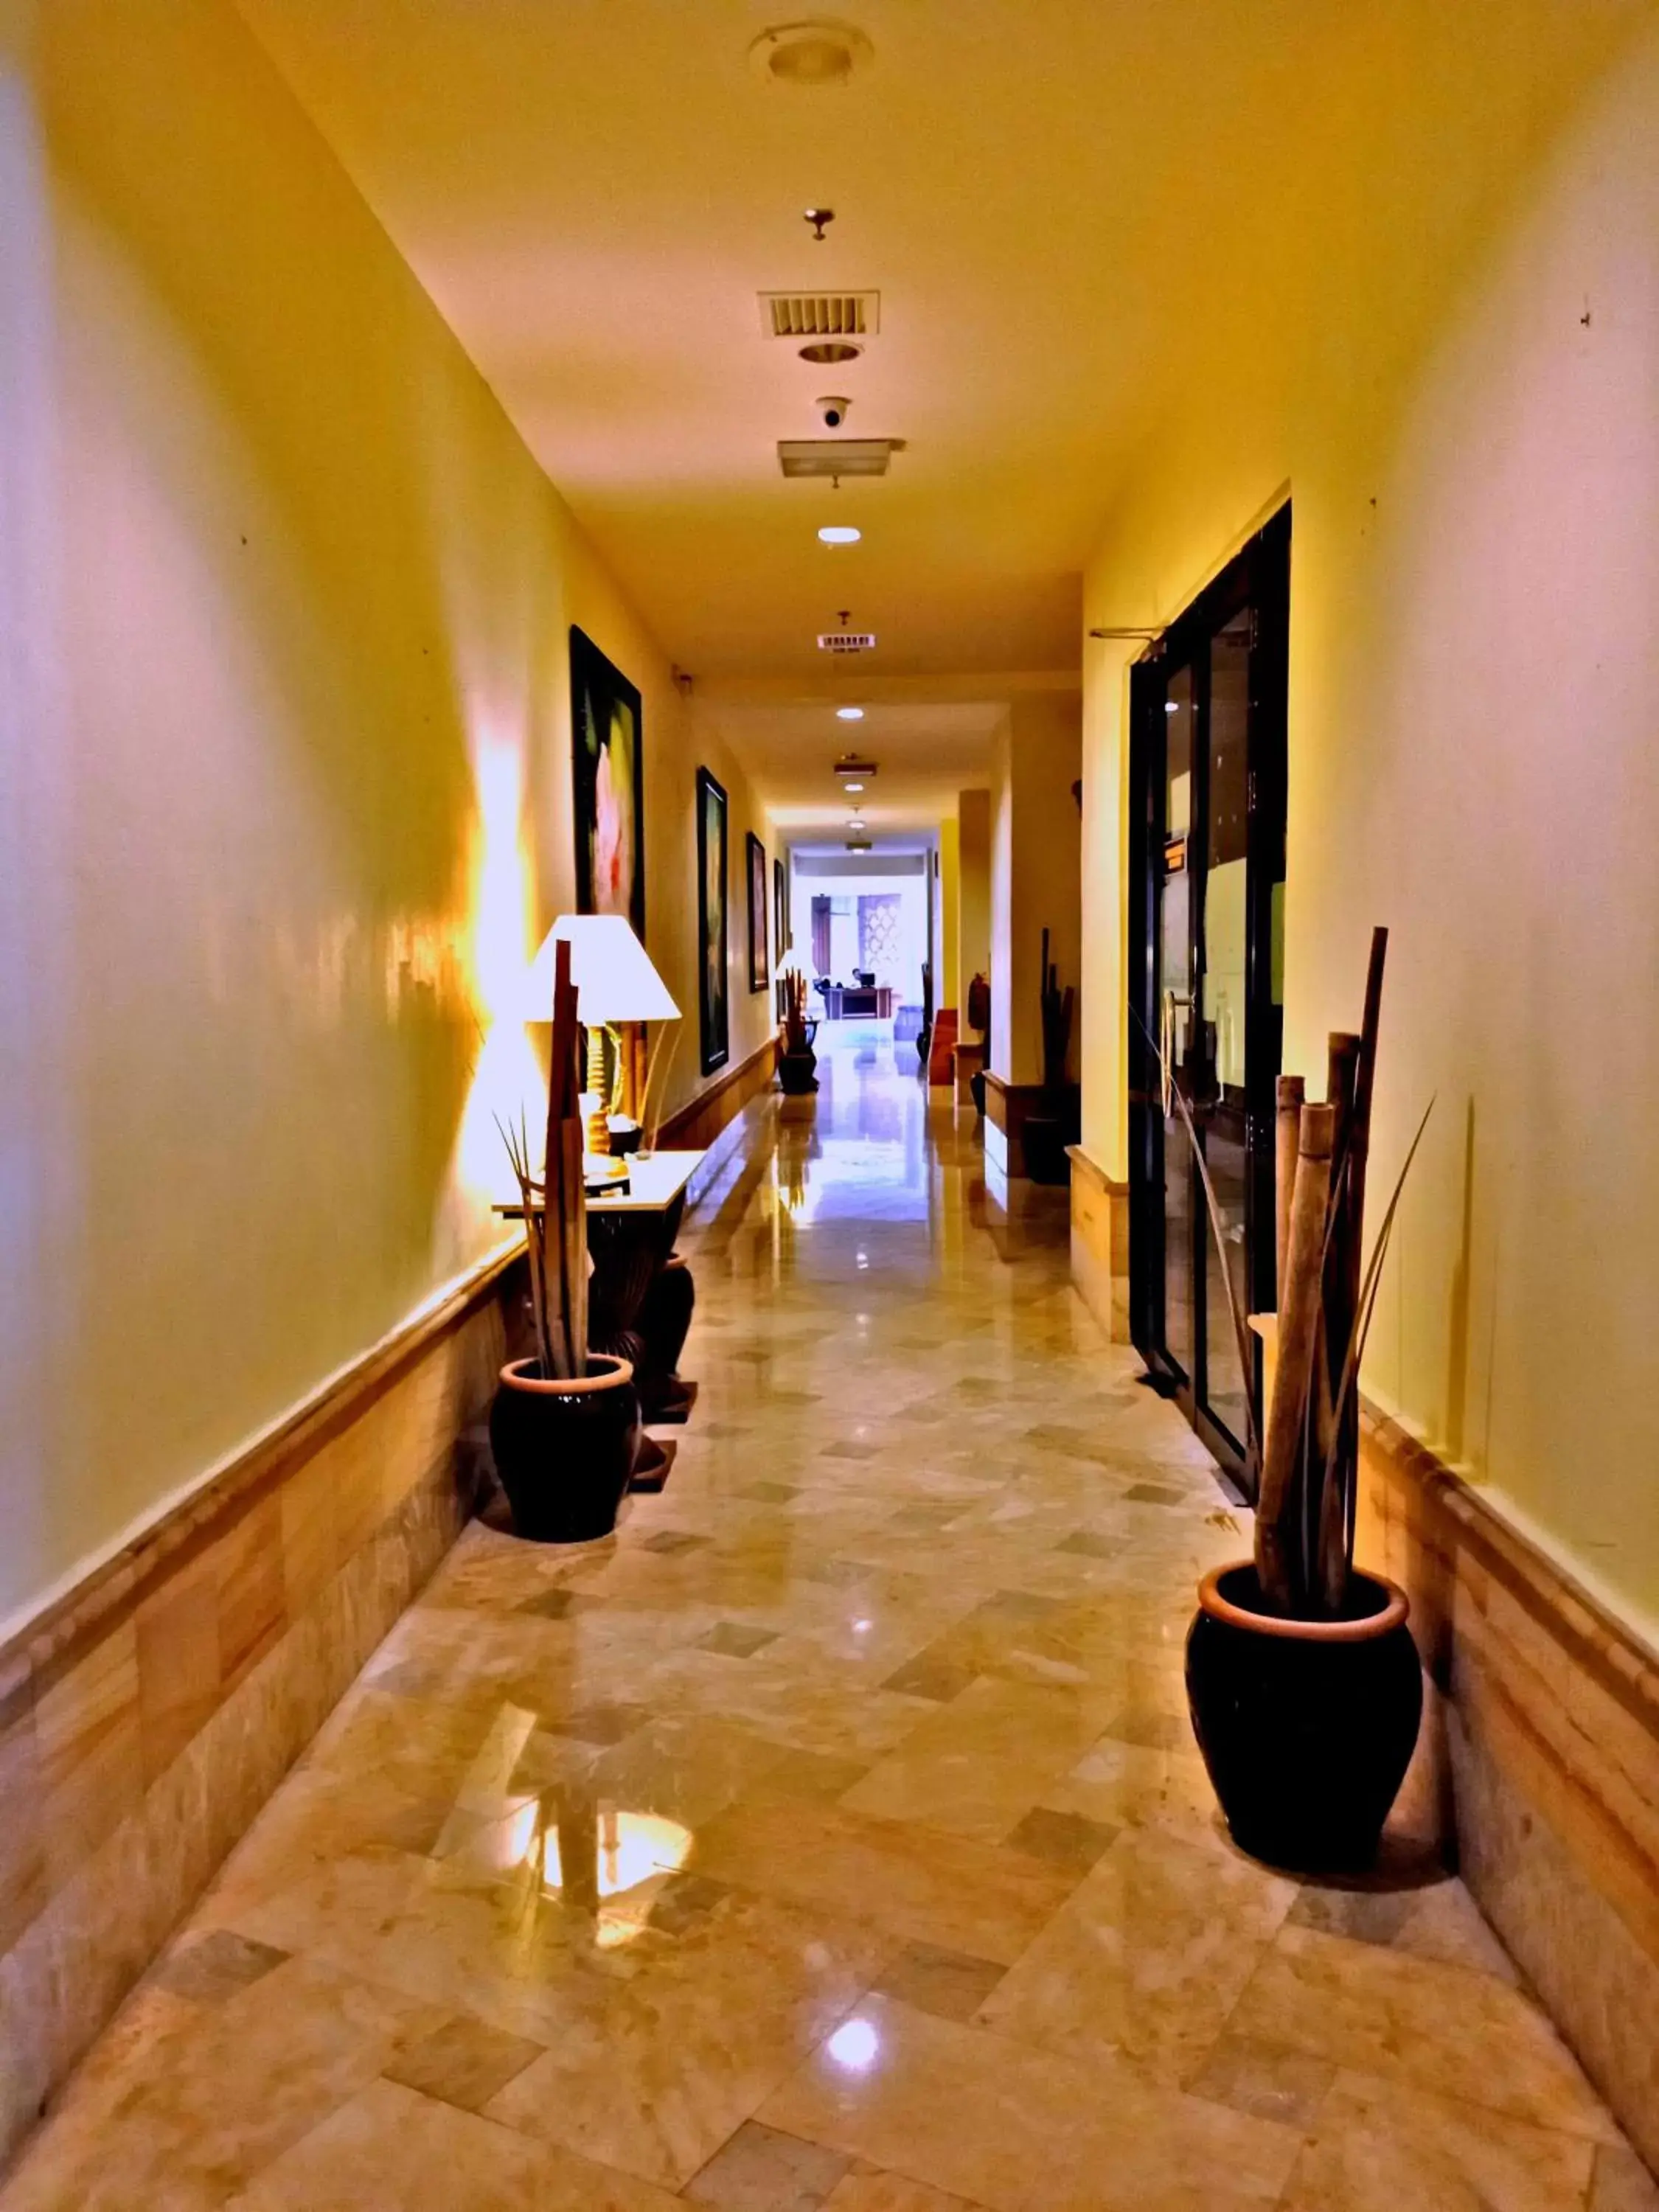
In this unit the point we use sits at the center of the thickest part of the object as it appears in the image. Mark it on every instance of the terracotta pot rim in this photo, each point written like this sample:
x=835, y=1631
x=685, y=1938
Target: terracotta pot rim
x=577, y=1386
x=1392, y=1615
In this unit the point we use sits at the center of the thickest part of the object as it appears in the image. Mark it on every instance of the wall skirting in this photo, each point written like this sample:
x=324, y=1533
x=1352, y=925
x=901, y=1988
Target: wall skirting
x=696, y=1126
x=1100, y=1242
x=1547, y=1719
x=147, y=1715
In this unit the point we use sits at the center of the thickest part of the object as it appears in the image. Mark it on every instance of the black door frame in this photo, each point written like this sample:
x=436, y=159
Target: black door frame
x=1258, y=578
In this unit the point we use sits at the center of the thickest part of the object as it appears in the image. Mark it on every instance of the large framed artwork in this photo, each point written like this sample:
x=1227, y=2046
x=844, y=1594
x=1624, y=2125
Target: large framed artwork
x=607, y=754
x=760, y=967
x=713, y=1013
x=781, y=940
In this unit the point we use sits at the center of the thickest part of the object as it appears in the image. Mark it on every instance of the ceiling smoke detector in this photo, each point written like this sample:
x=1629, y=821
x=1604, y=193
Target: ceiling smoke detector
x=813, y=56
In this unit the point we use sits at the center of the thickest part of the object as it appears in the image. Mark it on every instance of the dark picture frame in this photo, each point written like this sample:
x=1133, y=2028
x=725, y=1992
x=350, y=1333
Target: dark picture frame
x=760, y=966
x=714, y=1013
x=780, y=937
x=607, y=767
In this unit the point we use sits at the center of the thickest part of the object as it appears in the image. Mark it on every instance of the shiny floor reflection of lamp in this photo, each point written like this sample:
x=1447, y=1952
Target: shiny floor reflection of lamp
x=616, y=983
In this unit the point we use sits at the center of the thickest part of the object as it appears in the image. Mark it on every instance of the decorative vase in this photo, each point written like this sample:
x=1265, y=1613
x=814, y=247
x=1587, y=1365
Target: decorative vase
x=565, y=1450
x=1307, y=1727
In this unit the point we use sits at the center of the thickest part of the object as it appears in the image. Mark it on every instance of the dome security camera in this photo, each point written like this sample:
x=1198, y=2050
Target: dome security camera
x=833, y=412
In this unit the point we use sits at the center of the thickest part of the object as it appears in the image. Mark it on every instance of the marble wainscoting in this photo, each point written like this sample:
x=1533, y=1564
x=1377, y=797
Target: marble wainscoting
x=146, y=1717
x=1100, y=1242
x=1546, y=1729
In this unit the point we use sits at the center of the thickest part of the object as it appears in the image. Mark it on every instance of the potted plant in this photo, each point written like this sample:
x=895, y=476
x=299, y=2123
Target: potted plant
x=1049, y=1131
x=1302, y=1676
x=796, y=1062
x=565, y=1425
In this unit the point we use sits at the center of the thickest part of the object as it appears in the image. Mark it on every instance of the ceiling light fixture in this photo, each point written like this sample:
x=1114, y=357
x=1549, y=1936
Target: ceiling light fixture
x=811, y=56
x=839, y=533
x=849, y=713
x=852, y=789
x=829, y=353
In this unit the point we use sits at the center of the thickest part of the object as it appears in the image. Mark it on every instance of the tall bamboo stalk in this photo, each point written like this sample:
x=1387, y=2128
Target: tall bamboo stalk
x=1299, y=1335
x=1287, y=1130
x=564, y=1215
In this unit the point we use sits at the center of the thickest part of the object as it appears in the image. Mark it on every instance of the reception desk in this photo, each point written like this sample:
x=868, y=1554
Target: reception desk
x=854, y=1002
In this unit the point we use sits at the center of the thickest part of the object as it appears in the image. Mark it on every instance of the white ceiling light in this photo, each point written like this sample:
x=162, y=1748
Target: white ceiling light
x=852, y=789
x=849, y=713
x=839, y=533
x=811, y=56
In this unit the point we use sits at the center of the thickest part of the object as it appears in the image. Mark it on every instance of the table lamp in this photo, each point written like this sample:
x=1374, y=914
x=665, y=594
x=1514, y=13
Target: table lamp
x=616, y=983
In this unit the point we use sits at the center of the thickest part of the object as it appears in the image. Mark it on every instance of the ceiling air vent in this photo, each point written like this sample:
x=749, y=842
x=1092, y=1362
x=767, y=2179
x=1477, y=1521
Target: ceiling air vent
x=820, y=315
x=836, y=457
x=847, y=641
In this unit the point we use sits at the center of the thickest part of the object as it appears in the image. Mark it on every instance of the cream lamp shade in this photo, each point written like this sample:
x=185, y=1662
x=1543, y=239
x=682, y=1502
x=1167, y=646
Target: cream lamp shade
x=612, y=970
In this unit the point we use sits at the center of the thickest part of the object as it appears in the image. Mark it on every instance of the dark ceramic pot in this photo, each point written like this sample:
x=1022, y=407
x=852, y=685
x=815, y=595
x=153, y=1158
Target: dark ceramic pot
x=797, y=1071
x=1307, y=1727
x=564, y=1450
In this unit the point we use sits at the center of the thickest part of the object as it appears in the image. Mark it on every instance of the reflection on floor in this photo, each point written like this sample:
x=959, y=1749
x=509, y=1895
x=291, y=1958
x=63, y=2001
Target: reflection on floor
x=833, y=1835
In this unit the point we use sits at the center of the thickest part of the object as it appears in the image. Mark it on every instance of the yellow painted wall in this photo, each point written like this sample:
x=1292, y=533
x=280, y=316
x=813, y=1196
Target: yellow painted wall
x=284, y=770
x=1034, y=864
x=973, y=892
x=947, y=988
x=1446, y=348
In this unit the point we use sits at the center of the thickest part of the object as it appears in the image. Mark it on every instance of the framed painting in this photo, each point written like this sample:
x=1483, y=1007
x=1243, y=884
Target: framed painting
x=713, y=1016
x=781, y=938
x=760, y=967
x=607, y=756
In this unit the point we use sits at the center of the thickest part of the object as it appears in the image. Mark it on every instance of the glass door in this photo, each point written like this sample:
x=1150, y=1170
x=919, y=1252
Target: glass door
x=1207, y=782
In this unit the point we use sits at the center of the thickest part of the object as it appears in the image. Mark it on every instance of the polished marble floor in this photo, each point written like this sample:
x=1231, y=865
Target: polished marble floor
x=832, y=1836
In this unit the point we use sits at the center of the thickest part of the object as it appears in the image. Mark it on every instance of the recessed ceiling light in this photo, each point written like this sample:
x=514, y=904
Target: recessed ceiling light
x=810, y=55
x=839, y=533
x=856, y=827
x=827, y=353
x=852, y=789
x=849, y=713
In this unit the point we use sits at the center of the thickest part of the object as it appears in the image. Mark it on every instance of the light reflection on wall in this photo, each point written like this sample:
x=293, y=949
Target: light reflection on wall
x=507, y=1079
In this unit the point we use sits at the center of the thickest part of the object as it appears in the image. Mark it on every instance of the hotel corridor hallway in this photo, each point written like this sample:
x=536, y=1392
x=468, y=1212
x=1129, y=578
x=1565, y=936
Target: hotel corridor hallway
x=833, y=1834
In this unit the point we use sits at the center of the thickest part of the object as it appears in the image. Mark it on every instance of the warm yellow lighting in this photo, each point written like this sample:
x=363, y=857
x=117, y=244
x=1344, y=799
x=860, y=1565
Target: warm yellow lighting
x=849, y=713
x=839, y=533
x=630, y=1851
x=507, y=1080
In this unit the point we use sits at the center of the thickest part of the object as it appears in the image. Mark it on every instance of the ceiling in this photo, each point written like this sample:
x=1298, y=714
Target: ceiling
x=594, y=191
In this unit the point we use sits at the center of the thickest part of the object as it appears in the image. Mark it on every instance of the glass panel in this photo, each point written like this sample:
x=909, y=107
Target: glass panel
x=1174, y=968
x=1226, y=837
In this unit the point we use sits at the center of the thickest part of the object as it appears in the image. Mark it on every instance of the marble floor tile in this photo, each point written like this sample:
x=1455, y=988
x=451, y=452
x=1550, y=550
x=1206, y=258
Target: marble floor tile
x=758, y=2170
x=464, y=2062
x=874, y=2191
x=833, y=1833
x=1019, y=2131
x=921, y=1884
x=390, y=2149
x=1445, y=2029
x=1148, y=1956
x=1377, y=2147
x=948, y=1982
